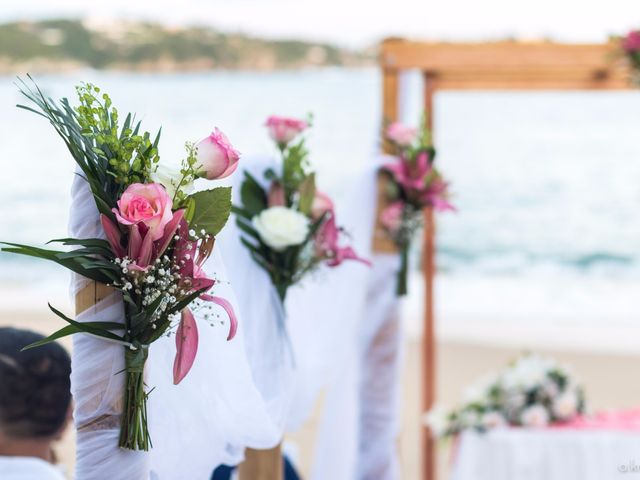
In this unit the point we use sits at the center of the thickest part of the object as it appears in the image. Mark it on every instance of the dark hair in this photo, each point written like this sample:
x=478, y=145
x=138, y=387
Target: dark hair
x=34, y=385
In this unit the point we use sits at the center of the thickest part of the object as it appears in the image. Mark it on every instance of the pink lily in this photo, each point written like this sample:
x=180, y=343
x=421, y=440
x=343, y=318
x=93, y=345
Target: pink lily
x=169, y=231
x=327, y=245
x=186, y=346
x=436, y=195
x=114, y=236
x=411, y=175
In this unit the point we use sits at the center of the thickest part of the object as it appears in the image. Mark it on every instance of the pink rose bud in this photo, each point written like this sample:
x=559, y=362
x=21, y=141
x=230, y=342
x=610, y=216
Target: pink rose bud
x=391, y=216
x=282, y=129
x=276, y=195
x=321, y=204
x=401, y=134
x=216, y=156
x=148, y=204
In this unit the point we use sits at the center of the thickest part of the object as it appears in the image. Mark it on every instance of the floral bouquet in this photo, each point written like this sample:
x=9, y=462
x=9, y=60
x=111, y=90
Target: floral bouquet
x=531, y=392
x=414, y=184
x=158, y=236
x=631, y=48
x=290, y=226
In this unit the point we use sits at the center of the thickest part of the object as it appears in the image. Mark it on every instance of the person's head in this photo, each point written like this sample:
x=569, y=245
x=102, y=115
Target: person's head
x=35, y=395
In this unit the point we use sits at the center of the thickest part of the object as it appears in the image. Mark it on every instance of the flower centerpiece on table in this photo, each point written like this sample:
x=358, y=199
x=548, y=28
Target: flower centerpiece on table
x=289, y=226
x=158, y=236
x=531, y=392
x=413, y=185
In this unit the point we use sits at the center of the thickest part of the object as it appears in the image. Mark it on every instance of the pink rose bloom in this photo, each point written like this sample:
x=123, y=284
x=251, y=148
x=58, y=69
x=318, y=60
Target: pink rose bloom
x=216, y=156
x=401, y=134
x=631, y=42
x=321, y=204
x=275, y=198
x=148, y=204
x=282, y=129
x=391, y=216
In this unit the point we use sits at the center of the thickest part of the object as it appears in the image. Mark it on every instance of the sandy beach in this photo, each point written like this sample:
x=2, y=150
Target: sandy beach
x=607, y=370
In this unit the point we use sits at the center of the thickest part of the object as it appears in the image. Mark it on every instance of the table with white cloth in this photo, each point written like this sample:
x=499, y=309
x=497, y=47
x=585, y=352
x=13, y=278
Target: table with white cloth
x=547, y=454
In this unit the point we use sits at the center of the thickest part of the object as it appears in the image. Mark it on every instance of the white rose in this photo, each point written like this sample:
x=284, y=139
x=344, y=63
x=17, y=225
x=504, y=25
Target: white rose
x=281, y=227
x=493, y=420
x=535, y=416
x=169, y=177
x=566, y=405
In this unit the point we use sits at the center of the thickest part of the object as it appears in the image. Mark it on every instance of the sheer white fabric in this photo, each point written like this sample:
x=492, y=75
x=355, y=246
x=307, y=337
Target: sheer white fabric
x=195, y=426
x=358, y=430
x=325, y=309
x=267, y=346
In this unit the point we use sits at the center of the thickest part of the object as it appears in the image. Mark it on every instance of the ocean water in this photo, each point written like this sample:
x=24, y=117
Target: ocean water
x=547, y=184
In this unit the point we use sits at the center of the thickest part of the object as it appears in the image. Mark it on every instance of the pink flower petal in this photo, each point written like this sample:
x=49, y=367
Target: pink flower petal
x=186, y=346
x=113, y=236
x=135, y=241
x=170, y=231
x=233, y=327
x=144, y=256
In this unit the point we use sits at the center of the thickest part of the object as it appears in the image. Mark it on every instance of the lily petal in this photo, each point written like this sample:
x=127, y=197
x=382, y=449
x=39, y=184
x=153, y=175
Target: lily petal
x=170, y=231
x=186, y=346
x=233, y=327
x=114, y=236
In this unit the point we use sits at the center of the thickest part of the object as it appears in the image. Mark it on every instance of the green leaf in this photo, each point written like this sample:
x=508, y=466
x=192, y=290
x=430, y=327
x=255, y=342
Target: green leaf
x=247, y=228
x=241, y=212
x=211, y=210
x=88, y=327
x=307, y=194
x=254, y=198
x=72, y=329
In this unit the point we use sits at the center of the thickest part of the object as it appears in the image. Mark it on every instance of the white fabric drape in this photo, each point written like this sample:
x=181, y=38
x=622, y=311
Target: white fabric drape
x=359, y=426
x=195, y=426
x=267, y=347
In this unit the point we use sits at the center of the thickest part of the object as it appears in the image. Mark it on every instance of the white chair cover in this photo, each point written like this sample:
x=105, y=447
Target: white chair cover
x=195, y=426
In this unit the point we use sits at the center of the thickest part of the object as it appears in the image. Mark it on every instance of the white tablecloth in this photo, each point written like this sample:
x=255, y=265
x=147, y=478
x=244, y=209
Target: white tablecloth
x=515, y=454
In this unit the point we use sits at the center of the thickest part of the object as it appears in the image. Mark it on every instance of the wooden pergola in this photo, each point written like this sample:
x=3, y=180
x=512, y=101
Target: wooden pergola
x=485, y=66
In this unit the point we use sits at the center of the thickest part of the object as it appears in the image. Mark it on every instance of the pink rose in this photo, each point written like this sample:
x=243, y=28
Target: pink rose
x=321, y=204
x=216, y=156
x=391, y=216
x=631, y=43
x=282, y=129
x=401, y=134
x=148, y=204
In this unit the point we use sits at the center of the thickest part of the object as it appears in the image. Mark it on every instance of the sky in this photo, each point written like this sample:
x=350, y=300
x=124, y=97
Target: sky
x=359, y=23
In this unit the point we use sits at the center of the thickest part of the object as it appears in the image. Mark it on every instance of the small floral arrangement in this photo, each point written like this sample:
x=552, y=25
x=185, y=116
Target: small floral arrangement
x=531, y=392
x=290, y=226
x=414, y=184
x=158, y=236
x=631, y=47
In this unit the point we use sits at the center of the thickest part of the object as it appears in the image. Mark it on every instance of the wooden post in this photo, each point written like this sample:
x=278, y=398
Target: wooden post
x=262, y=464
x=429, y=460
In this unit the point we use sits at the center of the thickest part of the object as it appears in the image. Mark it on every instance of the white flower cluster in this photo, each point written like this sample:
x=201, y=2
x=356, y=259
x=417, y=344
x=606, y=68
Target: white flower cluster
x=531, y=392
x=160, y=280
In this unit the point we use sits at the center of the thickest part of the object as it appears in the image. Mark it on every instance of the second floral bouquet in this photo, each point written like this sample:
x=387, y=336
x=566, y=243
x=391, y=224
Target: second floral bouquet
x=289, y=226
